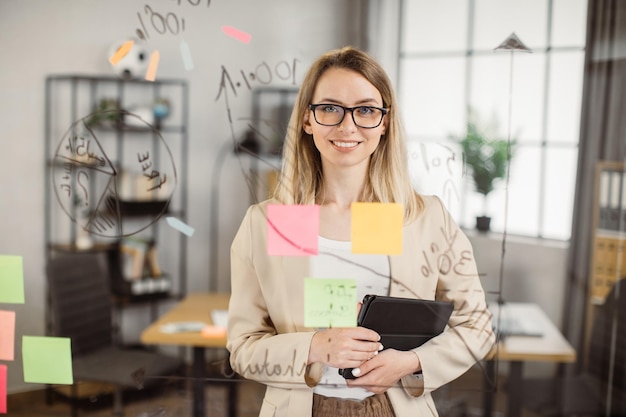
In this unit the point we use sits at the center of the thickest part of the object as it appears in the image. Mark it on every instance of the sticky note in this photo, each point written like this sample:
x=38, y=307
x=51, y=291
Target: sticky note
x=121, y=52
x=47, y=360
x=213, y=332
x=153, y=65
x=180, y=226
x=237, y=34
x=292, y=230
x=11, y=279
x=377, y=228
x=7, y=335
x=3, y=389
x=186, y=54
x=330, y=302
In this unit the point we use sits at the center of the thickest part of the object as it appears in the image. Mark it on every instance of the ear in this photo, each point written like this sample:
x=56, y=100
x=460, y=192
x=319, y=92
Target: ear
x=306, y=124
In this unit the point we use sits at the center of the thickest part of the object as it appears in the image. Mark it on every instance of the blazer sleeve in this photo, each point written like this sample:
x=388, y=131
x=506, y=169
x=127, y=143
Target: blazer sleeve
x=256, y=349
x=469, y=335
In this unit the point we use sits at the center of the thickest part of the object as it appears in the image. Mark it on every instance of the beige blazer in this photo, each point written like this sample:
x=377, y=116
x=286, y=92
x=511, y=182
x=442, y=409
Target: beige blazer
x=269, y=343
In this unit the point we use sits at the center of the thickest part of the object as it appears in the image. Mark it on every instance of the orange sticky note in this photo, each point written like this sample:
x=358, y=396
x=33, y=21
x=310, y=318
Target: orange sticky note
x=292, y=230
x=3, y=389
x=121, y=52
x=7, y=335
x=153, y=65
x=377, y=228
x=213, y=332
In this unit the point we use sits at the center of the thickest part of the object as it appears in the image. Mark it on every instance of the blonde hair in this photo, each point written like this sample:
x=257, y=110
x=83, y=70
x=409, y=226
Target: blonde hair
x=388, y=179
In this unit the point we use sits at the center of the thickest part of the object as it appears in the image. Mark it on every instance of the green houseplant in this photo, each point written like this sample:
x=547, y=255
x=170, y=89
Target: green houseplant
x=488, y=160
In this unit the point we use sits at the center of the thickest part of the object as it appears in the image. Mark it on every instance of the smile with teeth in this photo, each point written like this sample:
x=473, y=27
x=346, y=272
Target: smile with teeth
x=345, y=144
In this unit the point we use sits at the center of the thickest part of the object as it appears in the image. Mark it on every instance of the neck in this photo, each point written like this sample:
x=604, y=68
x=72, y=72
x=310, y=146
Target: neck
x=341, y=187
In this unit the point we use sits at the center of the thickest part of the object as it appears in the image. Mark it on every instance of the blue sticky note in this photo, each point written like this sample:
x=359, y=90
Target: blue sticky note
x=180, y=226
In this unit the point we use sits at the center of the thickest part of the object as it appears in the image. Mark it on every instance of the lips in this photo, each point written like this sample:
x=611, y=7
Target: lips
x=345, y=144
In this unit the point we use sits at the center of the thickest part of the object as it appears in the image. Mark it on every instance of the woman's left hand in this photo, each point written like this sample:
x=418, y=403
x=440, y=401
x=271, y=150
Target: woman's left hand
x=384, y=370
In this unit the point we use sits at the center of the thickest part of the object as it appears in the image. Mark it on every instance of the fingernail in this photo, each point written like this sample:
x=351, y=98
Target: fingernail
x=380, y=347
x=375, y=353
x=356, y=372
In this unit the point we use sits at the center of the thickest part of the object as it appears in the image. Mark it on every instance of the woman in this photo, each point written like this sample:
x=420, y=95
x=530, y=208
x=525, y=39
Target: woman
x=345, y=144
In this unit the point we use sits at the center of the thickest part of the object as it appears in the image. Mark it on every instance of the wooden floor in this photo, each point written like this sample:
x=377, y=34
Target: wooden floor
x=174, y=400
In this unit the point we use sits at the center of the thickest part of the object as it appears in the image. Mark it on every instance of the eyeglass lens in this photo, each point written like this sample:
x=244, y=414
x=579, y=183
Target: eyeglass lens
x=332, y=114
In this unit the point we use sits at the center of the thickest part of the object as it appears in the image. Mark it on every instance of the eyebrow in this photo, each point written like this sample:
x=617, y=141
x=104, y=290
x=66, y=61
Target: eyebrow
x=362, y=102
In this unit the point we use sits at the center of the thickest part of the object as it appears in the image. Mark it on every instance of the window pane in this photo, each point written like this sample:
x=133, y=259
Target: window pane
x=437, y=169
x=523, y=204
x=565, y=94
x=490, y=92
x=569, y=21
x=497, y=19
x=432, y=96
x=560, y=182
x=423, y=31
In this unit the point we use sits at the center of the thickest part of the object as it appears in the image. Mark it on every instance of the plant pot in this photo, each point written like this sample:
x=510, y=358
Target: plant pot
x=483, y=223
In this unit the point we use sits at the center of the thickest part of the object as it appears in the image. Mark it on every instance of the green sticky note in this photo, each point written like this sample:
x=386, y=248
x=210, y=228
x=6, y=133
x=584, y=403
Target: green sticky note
x=377, y=228
x=330, y=302
x=47, y=360
x=11, y=279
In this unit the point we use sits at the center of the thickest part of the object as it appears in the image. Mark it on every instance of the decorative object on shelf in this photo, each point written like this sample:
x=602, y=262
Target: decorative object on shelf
x=107, y=114
x=128, y=63
x=160, y=110
x=488, y=159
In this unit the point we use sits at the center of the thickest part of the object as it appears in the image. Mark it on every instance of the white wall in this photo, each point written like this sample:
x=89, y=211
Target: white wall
x=39, y=37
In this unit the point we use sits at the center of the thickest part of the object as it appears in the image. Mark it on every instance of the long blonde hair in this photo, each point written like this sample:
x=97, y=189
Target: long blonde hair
x=388, y=179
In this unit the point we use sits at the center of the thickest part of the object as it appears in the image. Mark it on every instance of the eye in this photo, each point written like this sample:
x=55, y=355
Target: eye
x=366, y=111
x=330, y=108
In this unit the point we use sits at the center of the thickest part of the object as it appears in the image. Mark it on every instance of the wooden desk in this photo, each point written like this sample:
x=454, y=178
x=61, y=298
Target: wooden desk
x=195, y=307
x=550, y=347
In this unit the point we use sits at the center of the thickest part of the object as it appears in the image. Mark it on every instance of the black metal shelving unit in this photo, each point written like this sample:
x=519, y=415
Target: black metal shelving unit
x=84, y=162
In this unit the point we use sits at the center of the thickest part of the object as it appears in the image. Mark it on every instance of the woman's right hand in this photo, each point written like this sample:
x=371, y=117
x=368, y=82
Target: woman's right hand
x=344, y=347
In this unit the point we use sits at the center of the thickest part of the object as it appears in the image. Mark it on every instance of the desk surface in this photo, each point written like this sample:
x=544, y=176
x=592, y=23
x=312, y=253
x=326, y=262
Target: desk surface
x=195, y=307
x=550, y=347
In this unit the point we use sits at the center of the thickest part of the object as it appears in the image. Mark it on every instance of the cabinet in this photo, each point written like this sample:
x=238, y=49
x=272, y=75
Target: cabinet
x=116, y=166
x=608, y=260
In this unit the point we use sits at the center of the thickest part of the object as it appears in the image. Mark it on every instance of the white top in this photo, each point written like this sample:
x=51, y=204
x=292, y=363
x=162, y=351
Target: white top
x=372, y=274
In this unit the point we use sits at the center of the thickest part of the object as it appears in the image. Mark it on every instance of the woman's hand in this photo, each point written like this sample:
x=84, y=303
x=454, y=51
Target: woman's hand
x=384, y=370
x=346, y=347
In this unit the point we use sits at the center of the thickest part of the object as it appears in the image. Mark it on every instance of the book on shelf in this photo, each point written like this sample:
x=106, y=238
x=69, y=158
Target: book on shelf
x=139, y=259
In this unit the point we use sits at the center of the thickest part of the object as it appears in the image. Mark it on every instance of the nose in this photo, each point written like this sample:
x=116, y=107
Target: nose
x=347, y=124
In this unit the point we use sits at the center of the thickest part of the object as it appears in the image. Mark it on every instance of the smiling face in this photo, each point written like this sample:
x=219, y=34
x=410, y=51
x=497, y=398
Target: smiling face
x=345, y=145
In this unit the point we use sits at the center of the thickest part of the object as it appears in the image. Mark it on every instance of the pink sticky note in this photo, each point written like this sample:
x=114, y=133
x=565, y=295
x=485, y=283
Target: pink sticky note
x=3, y=389
x=292, y=230
x=7, y=335
x=237, y=34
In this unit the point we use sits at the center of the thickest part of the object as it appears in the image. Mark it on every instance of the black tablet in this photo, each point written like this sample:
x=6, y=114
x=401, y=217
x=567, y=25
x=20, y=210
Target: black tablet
x=402, y=323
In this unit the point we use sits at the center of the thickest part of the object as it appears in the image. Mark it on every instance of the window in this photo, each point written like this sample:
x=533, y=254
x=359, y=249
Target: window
x=448, y=68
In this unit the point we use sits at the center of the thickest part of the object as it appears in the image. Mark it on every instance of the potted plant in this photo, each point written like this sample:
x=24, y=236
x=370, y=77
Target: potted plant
x=488, y=159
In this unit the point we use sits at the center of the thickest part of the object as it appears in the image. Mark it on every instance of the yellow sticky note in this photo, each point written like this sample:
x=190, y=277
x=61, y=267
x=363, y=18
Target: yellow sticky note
x=7, y=335
x=11, y=279
x=377, y=228
x=330, y=302
x=47, y=360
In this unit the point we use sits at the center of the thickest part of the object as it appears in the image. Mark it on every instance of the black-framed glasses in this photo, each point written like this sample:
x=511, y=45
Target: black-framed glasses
x=367, y=117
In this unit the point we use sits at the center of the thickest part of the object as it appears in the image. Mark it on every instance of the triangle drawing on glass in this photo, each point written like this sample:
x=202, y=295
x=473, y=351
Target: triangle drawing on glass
x=513, y=43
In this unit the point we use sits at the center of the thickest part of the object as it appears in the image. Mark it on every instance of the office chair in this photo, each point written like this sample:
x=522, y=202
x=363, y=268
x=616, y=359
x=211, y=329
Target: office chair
x=81, y=309
x=601, y=389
